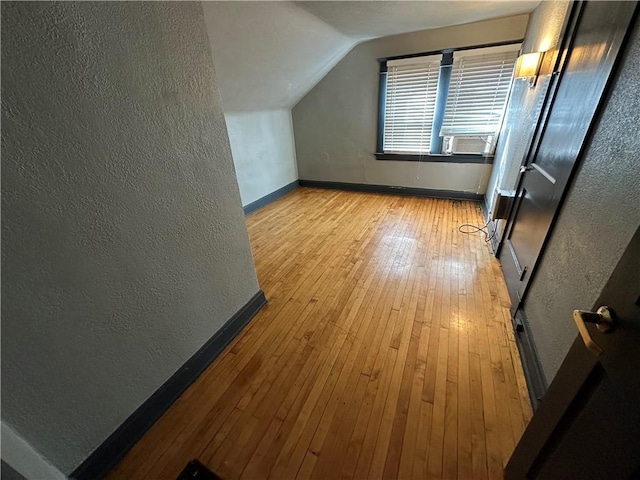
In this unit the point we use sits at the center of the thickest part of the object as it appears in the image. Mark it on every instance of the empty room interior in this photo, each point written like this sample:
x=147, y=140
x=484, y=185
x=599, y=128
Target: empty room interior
x=320, y=240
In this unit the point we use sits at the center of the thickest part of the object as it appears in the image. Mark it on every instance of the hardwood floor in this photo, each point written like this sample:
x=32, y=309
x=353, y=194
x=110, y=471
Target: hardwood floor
x=385, y=351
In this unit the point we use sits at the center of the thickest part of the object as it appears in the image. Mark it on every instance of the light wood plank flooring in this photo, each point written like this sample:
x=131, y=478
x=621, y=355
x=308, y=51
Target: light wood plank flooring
x=385, y=351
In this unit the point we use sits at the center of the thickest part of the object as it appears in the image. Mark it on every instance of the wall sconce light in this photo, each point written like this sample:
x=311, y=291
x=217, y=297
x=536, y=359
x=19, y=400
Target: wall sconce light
x=528, y=67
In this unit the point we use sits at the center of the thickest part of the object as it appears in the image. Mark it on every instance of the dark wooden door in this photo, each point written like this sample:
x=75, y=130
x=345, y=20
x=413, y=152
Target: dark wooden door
x=594, y=38
x=588, y=424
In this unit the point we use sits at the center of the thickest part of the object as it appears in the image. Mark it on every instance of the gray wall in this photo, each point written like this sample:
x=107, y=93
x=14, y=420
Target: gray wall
x=263, y=151
x=335, y=123
x=543, y=35
x=124, y=244
x=597, y=221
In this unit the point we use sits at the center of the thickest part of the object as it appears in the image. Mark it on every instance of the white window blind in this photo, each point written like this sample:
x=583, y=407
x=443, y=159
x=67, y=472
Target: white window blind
x=410, y=104
x=480, y=83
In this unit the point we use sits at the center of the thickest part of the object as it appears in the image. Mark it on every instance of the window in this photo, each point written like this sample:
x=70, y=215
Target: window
x=449, y=103
x=412, y=85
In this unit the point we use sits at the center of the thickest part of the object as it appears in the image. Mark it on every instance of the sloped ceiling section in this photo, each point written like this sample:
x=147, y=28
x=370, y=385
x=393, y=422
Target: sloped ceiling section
x=269, y=54
x=365, y=20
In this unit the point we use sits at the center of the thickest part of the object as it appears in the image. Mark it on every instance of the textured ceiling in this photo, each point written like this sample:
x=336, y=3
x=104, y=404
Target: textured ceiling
x=269, y=54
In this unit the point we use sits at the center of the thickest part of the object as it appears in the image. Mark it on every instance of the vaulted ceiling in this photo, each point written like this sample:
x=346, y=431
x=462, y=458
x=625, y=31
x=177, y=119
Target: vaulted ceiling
x=269, y=54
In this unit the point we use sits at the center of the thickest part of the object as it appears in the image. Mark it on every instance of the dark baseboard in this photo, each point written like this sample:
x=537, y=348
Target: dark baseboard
x=533, y=374
x=485, y=207
x=111, y=451
x=408, y=191
x=272, y=197
x=493, y=235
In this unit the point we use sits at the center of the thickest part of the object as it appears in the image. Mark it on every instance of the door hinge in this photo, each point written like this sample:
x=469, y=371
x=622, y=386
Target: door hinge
x=518, y=326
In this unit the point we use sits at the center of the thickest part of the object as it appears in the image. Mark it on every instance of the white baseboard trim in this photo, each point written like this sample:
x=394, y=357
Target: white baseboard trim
x=24, y=459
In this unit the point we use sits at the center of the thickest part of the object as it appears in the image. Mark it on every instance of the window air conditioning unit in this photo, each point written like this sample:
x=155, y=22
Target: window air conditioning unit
x=469, y=145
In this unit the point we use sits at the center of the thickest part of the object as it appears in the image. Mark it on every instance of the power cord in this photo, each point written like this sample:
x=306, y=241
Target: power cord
x=470, y=229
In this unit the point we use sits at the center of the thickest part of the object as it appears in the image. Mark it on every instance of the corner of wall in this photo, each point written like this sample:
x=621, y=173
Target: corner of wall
x=25, y=459
x=293, y=143
x=263, y=151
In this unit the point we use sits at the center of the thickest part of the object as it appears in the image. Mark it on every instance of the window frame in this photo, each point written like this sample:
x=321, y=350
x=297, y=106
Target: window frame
x=447, y=58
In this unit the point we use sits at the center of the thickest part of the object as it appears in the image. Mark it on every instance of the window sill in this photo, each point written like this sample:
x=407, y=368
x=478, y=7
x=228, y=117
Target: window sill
x=456, y=158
